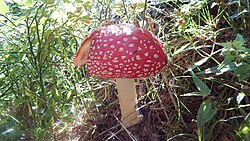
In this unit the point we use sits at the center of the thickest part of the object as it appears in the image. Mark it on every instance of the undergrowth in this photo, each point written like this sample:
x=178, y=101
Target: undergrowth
x=202, y=94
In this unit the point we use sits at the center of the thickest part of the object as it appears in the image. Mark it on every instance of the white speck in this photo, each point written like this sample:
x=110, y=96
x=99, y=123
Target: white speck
x=111, y=39
x=137, y=72
x=118, y=42
x=133, y=59
x=112, y=46
x=156, y=56
x=116, y=66
x=100, y=53
x=134, y=38
x=148, y=41
x=140, y=41
x=151, y=47
x=105, y=57
x=140, y=75
x=118, y=71
x=93, y=41
x=138, y=57
x=123, y=57
x=121, y=49
x=146, y=65
x=145, y=70
x=146, y=54
x=104, y=40
x=149, y=61
x=131, y=45
x=130, y=53
x=110, y=69
x=139, y=49
x=129, y=71
x=115, y=60
x=105, y=45
x=136, y=64
x=98, y=47
x=125, y=39
x=121, y=65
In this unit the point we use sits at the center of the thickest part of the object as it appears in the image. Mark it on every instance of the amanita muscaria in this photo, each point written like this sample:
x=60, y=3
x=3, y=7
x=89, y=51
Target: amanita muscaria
x=123, y=52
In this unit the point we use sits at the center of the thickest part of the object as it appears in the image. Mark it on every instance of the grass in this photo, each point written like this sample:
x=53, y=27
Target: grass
x=203, y=94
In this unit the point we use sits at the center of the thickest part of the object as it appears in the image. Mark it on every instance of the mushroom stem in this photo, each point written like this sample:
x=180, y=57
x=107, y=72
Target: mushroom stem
x=128, y=101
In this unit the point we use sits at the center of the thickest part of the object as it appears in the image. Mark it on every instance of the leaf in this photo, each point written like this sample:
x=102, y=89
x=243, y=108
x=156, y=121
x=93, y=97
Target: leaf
x=56, y=93
x=199, y=63
x=230, y=67
x=205, y=114
x=195, y=94
x=200, y=85
x=69, y=95
x=239, y=98
x=28, y=3
x=3, y=7
x=183, y=48
x=237, y=44
x=242, y=71
x=49, y=1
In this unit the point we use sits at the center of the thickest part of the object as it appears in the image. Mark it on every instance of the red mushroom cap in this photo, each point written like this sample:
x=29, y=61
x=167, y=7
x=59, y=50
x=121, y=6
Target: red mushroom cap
x=122, y=51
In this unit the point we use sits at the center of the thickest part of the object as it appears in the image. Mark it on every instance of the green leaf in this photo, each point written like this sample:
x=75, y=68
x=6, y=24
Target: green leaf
x=49, y=1
x=56, y=93
x=28, y=3
x=200, y=85
x=242, y=71
x=198, y=63
x=69, y=95
x=205, y=114
x=237, y=44
x=3, y=7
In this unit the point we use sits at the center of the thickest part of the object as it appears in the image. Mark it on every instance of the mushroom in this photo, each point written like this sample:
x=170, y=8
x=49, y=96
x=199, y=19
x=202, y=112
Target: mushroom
x=123, y=52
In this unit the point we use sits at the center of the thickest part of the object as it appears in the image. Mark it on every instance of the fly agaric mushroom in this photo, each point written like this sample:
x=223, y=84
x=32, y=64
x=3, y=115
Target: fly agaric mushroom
x=123, y=52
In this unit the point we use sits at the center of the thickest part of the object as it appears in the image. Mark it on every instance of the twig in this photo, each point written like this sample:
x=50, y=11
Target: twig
x=125, y=10
x=144, y=14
